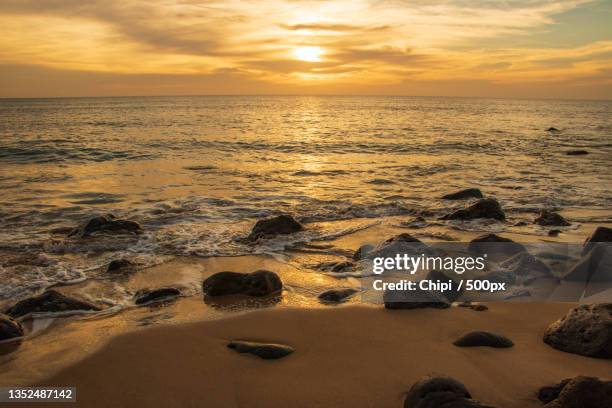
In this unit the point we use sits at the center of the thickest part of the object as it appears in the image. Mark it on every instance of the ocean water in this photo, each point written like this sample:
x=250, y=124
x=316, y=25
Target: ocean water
x=197, y=172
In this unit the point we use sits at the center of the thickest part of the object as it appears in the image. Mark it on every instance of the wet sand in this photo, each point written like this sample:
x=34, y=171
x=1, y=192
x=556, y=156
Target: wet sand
x=360, y=356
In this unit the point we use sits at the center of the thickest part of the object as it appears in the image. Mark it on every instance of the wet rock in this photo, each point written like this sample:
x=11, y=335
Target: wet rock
x=342, y=267
x=267, y=351
x=257, y=284
x=362, y=251
x=479, y=307
x=108, y=224
x=417, y=222
x=584, y=330
x=554, y=233
x=270, y=227
x=483, y=339
x=576, y=152
x=48, y=302
x=551, y=219
x=399, y=244
x=494, y=244
x=337, y=295
x=578, y=392
x=145, y=296
x=525, y=265
x=120, y=265
x=601, y=234
x=440, y=392
x=552, y=129
x=595, y=266
x=9, y=328
x=464, y=194
x=483, y=208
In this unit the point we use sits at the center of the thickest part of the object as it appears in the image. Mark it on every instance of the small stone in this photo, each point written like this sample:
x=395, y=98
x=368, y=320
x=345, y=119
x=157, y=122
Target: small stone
x=107, y=224
x=270, y=227
x=550, y=218
x=552, y=129
x=145, y=296
x=495, y=244
x=483, y=208
x=576, y=152
x=464, y=194
x=50, y=301
x=337, y=295
x=257, y=284
x=119, y=265
x=266, y=351
x=483, y=339
x=440, y=392
x=9, y=328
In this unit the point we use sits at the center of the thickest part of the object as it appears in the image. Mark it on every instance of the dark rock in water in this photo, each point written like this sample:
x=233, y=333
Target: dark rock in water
x=595, y=266
x=483, y=208
x=270, y=227
x=552, y=129
x=258, y=283
x=107, y=223
x=576, y=152
x=494, y=244
x=418, y=299
x=145, y=296
x=474, y=306
x=578, y=392
x=362, y=251
x=464, y=194
x=554, y=233
x=267, y=351
x=49, y=301
x=342, y=267
x=417, y=222
x=399, y=244
x=454, y=293
x=551, y=219
x=483, y=339
x=584, y=330
x=337, y=295
x=601, y=234
x=440, y=392
x=525, y=265
x=119, y=265
x=9, y=328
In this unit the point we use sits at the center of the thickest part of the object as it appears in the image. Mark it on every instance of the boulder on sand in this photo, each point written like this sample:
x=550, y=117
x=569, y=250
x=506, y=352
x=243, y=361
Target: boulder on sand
x=258, y=283
x=145, y=296
x=483, y=208
x=601, y=234
x=399, y=244
x=267, y=351
x=440, y=392
x=577, y=392
x=48, y=302
x=584, y=330
x=107, y=223
x=551, y=219
x=483, y=339
x=119, y=265
x=9, y=328
x=270, y=227
x=337, y=295
x=494, y=244
x=464, y=194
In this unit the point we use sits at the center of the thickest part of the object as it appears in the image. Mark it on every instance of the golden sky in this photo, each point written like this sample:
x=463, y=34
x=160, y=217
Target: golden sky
x=521, y=48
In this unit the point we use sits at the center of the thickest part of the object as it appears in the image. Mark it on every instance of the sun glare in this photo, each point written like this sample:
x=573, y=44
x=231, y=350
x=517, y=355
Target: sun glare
x=309, y=54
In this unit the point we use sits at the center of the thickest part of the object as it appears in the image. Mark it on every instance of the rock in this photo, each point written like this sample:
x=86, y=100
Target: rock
x=270, y=227
x=362, y=251
x=107, y=223
x=415, y=223
x=145, y=296
x=595, y=266
x=584, y=330
x=49, y=301
x=9, y=328
x=494, y=244
x=337, y=295
x=552, y=129
x=464, y=194
x=440, y=392
x=576, y=152
x=578, y=392
x=479, y=307
x=551, y=219
x=267, y=351
x=342, y=267
x=483, y=208
x=483, y=339
x=119, y=265
x=601, y=234
x=525, y=265
x=554, y=233
x=258, y=283
x=399, y=244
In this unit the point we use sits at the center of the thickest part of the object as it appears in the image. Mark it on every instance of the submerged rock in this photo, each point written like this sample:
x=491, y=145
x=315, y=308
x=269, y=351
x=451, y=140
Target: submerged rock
x=270, y=227
x=601, y=234
x=551, y=219
x=483, y=208
x=50, y=301
x=337, y=295
x=464, y=194
x=552, y=129
x=584, y=330
x=577, y=392
x=145, y=296
x=494, y=244
x=399, y=244
x=119, y=265
x=576, y=152
x=267, y=351
x=440, y=392
x=9, y=328
x=258, y=283
x=483, y=339
x=107, y=223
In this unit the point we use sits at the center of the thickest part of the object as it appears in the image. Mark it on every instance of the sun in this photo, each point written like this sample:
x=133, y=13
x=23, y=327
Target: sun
x=309, y=54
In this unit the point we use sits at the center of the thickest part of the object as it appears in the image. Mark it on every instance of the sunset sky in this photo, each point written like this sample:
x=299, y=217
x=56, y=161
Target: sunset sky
x=521, y=48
